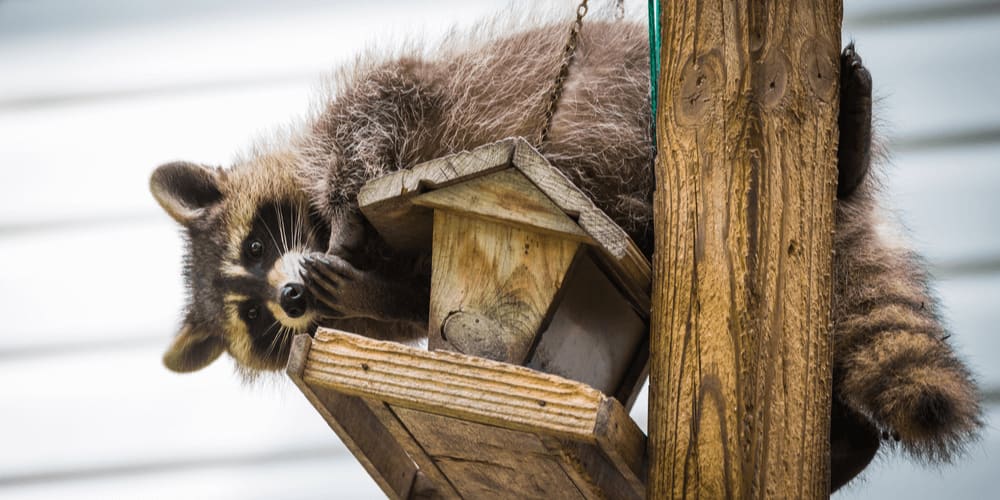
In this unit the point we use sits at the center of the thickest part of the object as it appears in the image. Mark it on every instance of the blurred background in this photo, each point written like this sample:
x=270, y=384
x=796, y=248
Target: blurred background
x=95, y=94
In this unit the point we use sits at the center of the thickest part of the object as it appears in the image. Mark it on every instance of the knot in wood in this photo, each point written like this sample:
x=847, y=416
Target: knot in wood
x=698, y=88
x=819, y=58
x=476, y=335
x=774, y=73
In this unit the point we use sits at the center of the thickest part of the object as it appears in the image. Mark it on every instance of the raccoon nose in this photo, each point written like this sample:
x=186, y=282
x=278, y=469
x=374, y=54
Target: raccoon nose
x=293, y=299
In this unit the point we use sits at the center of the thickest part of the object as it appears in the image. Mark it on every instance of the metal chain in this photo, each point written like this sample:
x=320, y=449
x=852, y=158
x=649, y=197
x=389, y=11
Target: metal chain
x=567, y=58
x=619, y=10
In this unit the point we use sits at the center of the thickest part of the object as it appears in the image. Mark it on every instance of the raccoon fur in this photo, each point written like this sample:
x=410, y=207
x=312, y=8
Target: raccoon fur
x=276, y=244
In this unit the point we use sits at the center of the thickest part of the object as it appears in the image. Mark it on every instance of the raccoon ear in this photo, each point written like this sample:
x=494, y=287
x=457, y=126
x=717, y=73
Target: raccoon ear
x=191, y=351
x=185, y=189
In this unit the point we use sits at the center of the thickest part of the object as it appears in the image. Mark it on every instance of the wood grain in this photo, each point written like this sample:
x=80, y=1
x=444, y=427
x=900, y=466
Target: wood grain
x=492, y=286
x=587, y=466
x=622, y=257
x=359, y=429
x=387, y=201
x=465, y=387
x=506, y=196
x=436, y=485
x=489, y=462
x=476, y=428
x=746, y=172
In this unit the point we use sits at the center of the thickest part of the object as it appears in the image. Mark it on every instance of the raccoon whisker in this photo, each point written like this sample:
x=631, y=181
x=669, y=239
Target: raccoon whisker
x=281, y=229
x=274, y=341
x=284, y=230
x=287, y=340
x=312, y=236
x=267, y=332
x=295, y=227
x=273, y=239
x=273, y=324
x=300, y=222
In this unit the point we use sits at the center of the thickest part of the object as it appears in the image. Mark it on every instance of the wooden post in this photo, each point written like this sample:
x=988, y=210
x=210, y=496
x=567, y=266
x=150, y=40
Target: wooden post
x=746, y=179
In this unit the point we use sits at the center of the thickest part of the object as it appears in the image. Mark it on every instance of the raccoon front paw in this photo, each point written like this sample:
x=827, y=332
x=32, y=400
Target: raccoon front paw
x=855, y=122
x=338, y=289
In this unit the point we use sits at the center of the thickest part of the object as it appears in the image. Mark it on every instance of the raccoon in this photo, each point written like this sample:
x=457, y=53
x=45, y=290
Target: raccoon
x=276, y=244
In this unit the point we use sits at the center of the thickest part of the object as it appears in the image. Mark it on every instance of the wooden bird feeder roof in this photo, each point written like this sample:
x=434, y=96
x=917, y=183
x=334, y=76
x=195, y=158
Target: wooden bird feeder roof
x=400, y=206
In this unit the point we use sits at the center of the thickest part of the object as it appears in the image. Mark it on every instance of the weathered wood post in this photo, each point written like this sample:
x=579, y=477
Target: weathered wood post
x=746, y=173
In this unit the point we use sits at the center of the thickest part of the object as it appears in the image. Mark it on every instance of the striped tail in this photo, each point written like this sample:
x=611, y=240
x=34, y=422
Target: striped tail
x=892, y=359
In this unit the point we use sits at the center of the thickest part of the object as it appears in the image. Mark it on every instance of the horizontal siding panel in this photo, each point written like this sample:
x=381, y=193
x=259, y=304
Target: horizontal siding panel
x=948, y=200
x=71, y=287
x=311, y=478
x=121, y=407
x=972, y=476
x=95, y=159
x=225, y=43
x=933, y=78
x=970, y=310
x=878, y=13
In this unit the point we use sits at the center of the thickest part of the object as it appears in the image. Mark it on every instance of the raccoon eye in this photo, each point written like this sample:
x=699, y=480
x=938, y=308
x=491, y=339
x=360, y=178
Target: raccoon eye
x=253, y=313
x=256, y=248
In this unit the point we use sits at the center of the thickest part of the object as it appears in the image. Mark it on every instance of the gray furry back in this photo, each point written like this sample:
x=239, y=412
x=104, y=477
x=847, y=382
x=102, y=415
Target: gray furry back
x=401, y=112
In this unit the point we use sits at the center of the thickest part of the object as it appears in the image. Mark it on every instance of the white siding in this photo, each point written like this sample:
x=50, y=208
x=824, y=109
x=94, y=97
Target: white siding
x=94, y=95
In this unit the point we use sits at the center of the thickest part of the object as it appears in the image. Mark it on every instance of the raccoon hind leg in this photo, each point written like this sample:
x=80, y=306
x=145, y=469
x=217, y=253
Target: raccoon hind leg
x=854, y=151
x=854, y=441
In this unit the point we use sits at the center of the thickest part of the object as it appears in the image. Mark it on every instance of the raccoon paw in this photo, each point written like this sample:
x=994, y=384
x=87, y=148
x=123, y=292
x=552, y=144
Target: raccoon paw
x=855, y=122
x=337, y=288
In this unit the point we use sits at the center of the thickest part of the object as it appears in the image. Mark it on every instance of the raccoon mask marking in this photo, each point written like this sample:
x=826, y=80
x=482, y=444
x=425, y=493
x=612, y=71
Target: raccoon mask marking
x=247, y=242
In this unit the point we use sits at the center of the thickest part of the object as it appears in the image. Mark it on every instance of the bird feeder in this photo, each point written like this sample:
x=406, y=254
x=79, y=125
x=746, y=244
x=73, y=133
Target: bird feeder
x=537, y=339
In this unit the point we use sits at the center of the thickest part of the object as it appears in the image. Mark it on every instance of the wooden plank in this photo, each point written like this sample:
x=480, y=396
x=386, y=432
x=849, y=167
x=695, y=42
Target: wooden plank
x=489, y=462
x=505, y=196
x=451, y=384
x=492, y=286
x=436, y=485
x=359, y=429
x=590, y=470
x=624, y=444
x=746, y=171
x=387, y=201
x=623, y=257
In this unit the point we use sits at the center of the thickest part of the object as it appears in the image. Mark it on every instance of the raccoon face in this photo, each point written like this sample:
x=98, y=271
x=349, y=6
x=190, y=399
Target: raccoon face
x=248, y=230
